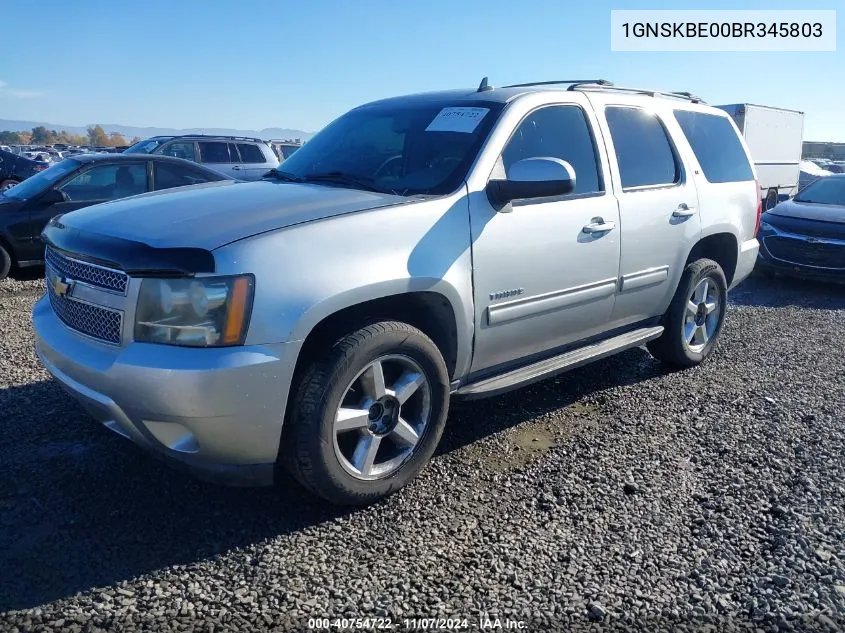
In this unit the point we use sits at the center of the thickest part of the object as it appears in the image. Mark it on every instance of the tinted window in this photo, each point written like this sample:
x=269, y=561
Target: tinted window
x=179, y=149
x=169, y=176
x=234, y=156
x=557, y=132
x=411, y=147
x=716, y=146
x=214, y=152
x=643, y=151
x=107, y=182
x=251, y=153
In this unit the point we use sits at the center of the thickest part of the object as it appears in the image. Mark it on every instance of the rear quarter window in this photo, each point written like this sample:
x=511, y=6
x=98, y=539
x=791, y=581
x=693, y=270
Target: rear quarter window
x=716, y=145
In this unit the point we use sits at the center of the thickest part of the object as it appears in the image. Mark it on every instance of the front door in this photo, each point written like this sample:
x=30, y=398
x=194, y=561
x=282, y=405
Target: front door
x=541, y=279
x=99, y=183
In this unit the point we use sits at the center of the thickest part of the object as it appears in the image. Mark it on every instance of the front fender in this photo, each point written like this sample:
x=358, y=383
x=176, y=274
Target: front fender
x=310, y=271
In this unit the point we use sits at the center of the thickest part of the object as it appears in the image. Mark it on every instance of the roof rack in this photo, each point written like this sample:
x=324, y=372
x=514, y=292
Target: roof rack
x=598, y=82
x=226, y=136
x=601, y=84
x=651, y=93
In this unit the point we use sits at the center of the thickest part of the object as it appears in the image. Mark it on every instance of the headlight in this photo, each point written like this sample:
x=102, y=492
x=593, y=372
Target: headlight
x=765, y=226
x=197, y=312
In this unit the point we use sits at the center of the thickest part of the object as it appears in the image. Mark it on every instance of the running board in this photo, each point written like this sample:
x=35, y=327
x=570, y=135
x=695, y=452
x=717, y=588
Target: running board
x=558, y=364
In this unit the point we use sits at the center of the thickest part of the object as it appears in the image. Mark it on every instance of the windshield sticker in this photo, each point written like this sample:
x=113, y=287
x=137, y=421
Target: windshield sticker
x=457, y=120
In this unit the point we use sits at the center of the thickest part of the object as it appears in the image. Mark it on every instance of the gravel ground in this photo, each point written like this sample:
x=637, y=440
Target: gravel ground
x=616, y=497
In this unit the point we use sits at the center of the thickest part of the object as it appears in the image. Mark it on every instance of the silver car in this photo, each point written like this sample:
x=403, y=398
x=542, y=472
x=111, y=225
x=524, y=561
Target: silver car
x=236, y=157
x=447, y=245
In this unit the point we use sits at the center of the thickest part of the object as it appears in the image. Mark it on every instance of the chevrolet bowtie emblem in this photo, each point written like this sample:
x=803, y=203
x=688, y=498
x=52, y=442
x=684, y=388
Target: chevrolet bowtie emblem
x=62, y=287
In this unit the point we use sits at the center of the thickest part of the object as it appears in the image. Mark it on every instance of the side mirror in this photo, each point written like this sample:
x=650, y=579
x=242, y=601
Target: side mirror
x=542, y=177
x=54, y=196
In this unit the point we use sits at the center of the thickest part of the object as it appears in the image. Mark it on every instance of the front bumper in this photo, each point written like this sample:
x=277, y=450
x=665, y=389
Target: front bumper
x=796, y=265
x=215, y=412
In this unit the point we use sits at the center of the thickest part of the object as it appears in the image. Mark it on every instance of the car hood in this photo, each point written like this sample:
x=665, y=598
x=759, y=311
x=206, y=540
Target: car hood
x=805, y=211
x=211, y=215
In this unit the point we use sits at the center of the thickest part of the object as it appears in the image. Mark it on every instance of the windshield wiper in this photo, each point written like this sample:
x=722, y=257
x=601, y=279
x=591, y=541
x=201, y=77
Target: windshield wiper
x=343, y=178
x=282, y=175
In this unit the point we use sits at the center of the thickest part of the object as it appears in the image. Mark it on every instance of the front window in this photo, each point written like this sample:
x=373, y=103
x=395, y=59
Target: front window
x=145, y=147
x=107, y=182
x=418, y=148
x=42, y=180
x=825, y=190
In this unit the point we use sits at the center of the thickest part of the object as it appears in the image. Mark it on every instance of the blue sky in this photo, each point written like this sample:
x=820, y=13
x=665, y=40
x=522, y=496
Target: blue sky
x=256, y=64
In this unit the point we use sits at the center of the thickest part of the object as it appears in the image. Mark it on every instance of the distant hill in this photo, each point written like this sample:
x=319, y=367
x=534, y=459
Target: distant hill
x=129, y=131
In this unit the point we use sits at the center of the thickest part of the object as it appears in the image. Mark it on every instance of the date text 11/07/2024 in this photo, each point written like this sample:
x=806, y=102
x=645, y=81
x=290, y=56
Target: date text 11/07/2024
x=486, y=623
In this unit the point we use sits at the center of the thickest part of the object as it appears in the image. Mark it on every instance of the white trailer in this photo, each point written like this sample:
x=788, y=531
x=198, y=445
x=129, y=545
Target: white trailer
x=775, y=137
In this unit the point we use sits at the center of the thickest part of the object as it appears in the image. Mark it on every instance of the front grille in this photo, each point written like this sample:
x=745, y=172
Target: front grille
x=105, y=278
x=97, y=322
x=804, y=253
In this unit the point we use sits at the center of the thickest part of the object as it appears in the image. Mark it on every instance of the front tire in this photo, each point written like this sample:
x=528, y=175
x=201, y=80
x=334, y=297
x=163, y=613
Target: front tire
x=7, y=184
x=694, y=320
x=5, y=263
x=367, y=417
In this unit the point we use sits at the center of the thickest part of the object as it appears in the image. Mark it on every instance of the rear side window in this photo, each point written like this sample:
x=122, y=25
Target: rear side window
x=214, y=152
x=643, y=151
x=715, y=144
x=251, y=153
x=169, y=176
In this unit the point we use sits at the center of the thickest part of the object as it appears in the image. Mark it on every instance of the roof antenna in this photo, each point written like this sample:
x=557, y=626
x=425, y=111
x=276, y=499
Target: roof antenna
x=484, y=86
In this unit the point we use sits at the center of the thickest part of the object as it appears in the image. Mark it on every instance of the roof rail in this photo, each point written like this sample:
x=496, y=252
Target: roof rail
x=226, y=136
x=688, y=96
x=598, y=82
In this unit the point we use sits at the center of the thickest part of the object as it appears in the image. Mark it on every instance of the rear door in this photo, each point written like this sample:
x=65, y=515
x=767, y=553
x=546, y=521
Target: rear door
x=253, y=161
x=216, y=155
x=658, y=206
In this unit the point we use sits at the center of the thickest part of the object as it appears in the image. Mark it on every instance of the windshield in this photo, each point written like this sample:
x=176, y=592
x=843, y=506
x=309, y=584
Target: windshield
x=407, y=149
x=43, y=179
x=144, y=147
x=825, y=190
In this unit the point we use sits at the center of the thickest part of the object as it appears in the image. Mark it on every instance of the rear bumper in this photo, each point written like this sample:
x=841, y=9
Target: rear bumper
x=745, y=261
x=214, y=412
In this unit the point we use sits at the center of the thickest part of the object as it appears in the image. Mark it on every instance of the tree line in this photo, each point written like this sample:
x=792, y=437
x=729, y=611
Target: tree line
x=96, y=137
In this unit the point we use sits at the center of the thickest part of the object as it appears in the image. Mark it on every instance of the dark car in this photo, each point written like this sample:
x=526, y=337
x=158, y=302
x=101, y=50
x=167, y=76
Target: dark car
x=79, y=182
x=805, y=236
x=15, y=168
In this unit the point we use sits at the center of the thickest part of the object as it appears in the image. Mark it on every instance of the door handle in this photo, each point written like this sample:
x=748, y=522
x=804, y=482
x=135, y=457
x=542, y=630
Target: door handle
x=236, y=168
x=683, y=211
x=599, y=227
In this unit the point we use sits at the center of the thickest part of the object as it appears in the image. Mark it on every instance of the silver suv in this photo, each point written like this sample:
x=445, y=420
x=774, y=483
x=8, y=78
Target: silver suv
x=418, y=249
x=237, y=157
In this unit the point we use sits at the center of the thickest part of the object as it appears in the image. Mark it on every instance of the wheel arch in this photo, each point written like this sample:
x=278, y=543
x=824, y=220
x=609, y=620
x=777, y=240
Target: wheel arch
x=722, y=247
x=430, y=311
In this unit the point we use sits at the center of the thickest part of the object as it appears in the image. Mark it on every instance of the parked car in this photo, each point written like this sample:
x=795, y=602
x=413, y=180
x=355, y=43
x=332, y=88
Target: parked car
x=235, y=157
x=79, y=182
x=456, y=244
x=15, y=168
x=810, y=172
x=775, y=137
x=805, y=236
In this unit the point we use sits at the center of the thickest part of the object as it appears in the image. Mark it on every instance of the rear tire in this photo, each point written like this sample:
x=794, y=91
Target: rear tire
x=694, y=320
x=367, y=416
x=771, y=199
x=5, y=263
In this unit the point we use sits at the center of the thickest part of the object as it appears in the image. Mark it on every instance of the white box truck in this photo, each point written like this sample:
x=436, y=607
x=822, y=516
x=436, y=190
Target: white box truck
x=775, y=137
